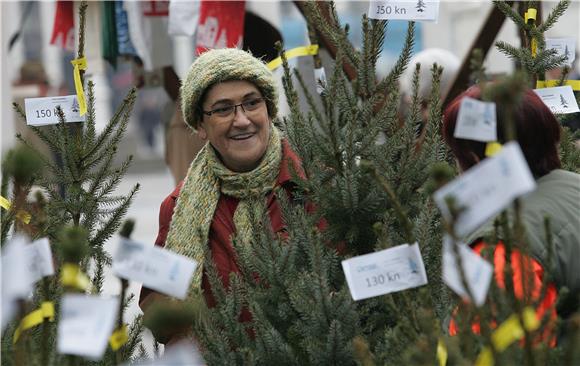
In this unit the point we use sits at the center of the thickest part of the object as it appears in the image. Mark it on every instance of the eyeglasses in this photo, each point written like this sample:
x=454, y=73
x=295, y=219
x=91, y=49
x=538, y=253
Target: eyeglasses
x=251, y=105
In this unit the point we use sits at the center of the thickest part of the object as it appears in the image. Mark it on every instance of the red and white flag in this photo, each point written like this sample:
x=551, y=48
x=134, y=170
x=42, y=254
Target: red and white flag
x=221, y=25
x=63, y=31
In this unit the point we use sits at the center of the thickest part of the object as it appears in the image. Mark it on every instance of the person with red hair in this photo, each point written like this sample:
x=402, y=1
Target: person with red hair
x=556, y=196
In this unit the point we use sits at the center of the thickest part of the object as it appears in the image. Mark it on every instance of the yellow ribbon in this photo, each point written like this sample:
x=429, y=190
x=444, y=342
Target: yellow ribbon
x=21, y=214
x=441, y=353
x=295, y=52
x=46, y=311
x=507, y=333
x=80, y=64
x=492, y=148
x=534, y=47
x=531, y=14
x=575, y=84
x=71, y=276
x=119, y=338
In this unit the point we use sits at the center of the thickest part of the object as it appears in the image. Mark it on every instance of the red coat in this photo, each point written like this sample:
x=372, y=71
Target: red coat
x=222, y=227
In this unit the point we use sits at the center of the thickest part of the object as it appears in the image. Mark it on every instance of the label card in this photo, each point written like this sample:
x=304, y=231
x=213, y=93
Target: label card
x=85, y=325
x=390, y=270
x=40, y=262
x=487, y=188
x=560, y=99
x=42, y=111
x=16, y=278
x=416, y=10
x=183, y=353
x=320, y=79
x=476, y=120
x=564, y=46
x=478, y=271
x=158, y=269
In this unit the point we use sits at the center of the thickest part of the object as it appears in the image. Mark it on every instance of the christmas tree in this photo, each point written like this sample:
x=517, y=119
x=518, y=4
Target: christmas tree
x=76, y=209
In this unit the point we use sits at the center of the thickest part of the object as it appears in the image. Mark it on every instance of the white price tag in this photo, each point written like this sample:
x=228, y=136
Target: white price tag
x=183, y=353
x=39, y=259
x=477, y=271
x=416, y=10
x=560, y=99
x=476, y=120
x=85, y=325
x=16, y=278
x=564, y=46
x=157, y=268
x=319, y=78
x=487, y=188
x=42, y=111
x=390, y=270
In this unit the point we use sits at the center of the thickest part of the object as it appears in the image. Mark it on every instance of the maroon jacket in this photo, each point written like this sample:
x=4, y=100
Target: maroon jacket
x=222, y=228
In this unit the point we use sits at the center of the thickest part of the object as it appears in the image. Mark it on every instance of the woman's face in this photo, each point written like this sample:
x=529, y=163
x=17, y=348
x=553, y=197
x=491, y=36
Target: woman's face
x=239, y=133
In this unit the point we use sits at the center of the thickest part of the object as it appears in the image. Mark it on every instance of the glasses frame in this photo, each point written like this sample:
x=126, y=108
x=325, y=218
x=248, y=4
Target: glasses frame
x=235, y=106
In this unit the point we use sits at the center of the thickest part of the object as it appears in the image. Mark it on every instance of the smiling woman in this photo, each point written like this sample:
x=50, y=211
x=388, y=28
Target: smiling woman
x=229, y=98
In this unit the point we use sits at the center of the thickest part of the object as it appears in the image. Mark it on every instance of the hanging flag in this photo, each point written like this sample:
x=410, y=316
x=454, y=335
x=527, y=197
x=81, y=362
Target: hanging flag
x=183, y=17
x=148, y=31
x=124, y=44
x=63, y=30
x=109, y=33
x=221, y=25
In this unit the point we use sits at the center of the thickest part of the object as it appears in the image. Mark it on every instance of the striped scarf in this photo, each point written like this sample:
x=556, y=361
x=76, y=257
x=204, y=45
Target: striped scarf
x=206, y=179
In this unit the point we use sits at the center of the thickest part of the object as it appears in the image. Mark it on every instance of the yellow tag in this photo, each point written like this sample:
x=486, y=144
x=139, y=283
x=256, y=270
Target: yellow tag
x=531, y=14
x=507, y=333
x=21, y=215
x=492, y=148
x=71, y=276
x=534, y=47
x=46, y=311
x=295, y=52
x=119, y=338
x=575, y=84
x=441, y=353
x=80, y=64
x=4, y=203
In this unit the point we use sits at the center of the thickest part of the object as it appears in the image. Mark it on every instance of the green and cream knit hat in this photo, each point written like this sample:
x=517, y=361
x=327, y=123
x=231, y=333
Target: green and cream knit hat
x=216, y=66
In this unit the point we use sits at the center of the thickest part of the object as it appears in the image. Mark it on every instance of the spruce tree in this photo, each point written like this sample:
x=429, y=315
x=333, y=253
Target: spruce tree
x=77, y=209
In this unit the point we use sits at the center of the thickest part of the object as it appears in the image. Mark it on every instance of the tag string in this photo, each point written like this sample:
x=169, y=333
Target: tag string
x=507, y=333
x=119, y=338
x=21, y=214
x=46, y=311
x=80, y=64
x=441, y=353
x=492, y=148
x=293, y=53
x=575, y=84
x=72, y=276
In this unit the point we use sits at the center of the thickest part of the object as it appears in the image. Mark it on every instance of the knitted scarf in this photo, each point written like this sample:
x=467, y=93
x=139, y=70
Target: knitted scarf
x=206, y=179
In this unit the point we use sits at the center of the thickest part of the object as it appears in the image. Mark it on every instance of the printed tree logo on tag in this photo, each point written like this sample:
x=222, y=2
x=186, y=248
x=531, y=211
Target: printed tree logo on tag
x=421, y=6
x=75, y=105
x=413, y=266
x=563, y=101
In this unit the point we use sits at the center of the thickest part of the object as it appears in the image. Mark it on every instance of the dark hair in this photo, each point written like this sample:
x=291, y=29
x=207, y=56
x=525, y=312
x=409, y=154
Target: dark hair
x=538, y=133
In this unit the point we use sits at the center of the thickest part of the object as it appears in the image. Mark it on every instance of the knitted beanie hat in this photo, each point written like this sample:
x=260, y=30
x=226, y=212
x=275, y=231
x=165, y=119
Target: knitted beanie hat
x=218, y=65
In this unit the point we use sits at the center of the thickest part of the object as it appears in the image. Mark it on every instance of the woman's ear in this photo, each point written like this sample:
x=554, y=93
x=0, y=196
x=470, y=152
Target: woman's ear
x=201, y=132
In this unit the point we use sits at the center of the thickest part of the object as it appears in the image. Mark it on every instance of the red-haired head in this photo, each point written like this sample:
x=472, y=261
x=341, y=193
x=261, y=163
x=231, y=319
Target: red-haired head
x=538, y=133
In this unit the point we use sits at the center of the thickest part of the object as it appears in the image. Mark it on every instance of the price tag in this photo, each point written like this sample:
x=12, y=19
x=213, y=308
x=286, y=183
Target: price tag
x=42, y=111
x=320, y=79
x=560, y=99
x=487, y=188
x=158, y=269
x=476, y=120
x=390, y=270
x=85, y=324
x=564, y=46
x=16, y=279
x=478, y=271
x=416, y=10
x=40, y=262
x=183, y=353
